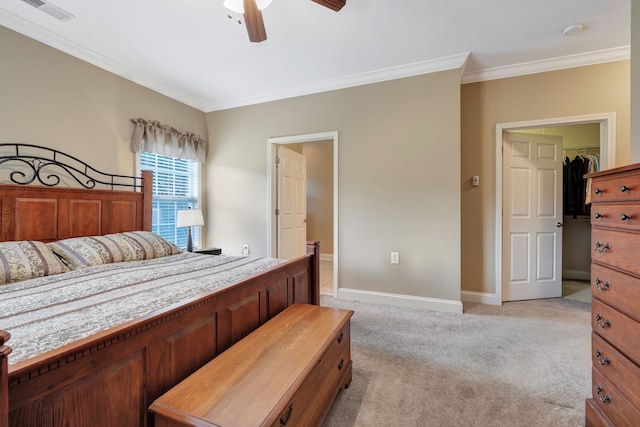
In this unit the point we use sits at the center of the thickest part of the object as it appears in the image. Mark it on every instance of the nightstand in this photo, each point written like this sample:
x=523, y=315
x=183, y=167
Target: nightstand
x=208, y=251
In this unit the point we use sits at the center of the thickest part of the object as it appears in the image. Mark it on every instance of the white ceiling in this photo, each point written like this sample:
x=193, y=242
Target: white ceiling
x=191, y=51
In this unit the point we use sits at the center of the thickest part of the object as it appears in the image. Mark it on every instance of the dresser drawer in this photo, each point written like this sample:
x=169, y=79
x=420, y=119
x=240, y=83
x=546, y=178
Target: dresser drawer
x=618, y=329
x=594, y=415
x=617, y=369
x=620, y=188
x=616, y=248
x=619, y=215
x=612, y=403
x=616, y=289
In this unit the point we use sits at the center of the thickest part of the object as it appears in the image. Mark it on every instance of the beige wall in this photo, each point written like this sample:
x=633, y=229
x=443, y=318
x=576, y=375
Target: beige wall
x=399, y=179
x=594, y=89
x=52, y=99
x=320, y=193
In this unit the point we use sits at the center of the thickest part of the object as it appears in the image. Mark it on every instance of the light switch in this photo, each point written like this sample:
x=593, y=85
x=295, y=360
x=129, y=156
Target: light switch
x=475, y=181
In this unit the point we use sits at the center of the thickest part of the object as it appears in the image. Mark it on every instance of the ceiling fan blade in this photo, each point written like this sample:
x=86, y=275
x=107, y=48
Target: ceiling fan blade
x=253, y=21
x=332, y=4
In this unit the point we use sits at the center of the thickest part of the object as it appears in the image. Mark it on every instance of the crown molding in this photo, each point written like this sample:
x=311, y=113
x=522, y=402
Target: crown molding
x=36, y=32
x=385, y=74
x=551, y=64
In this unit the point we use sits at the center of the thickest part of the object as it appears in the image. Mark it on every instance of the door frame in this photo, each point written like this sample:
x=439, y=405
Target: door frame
x=607, y=160
x=272, y=222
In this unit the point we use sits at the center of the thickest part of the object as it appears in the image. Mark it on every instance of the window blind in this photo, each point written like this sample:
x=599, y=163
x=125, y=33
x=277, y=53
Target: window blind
x=175, y=187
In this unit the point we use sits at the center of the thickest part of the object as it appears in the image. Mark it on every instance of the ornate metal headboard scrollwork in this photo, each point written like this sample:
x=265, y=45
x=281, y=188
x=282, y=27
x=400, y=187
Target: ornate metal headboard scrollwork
x=58, y=196
x=26, y=163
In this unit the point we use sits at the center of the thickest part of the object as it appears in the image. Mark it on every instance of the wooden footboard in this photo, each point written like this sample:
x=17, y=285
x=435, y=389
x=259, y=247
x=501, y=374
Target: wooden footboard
x=111, y=378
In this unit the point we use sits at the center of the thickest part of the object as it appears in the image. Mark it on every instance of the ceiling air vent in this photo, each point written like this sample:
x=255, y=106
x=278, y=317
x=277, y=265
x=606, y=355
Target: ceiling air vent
x=50, y=9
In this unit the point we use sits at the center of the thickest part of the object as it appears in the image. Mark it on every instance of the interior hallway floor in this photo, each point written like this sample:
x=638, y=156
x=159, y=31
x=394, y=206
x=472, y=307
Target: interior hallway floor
x=326, y=277
x=576, y=290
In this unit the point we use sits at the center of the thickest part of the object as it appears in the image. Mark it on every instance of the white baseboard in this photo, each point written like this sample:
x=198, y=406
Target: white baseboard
x=576, y=275
x=434, y=304
x=326, y=257
x=481, y=298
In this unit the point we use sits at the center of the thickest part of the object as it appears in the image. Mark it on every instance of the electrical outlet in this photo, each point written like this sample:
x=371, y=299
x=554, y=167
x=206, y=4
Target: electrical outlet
x=395, y=257
x=245, y=249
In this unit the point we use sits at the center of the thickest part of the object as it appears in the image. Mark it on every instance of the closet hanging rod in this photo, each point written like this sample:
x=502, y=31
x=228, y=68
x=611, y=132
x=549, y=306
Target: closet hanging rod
x=581, y=147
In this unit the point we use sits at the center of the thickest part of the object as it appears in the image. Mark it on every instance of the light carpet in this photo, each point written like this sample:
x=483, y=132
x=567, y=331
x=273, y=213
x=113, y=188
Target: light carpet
x=521, y=364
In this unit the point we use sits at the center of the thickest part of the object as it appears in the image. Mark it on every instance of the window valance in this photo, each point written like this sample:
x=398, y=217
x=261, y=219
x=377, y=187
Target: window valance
x=154, y=137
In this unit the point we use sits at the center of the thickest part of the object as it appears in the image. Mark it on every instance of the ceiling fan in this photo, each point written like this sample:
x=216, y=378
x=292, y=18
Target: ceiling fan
x=251, y=10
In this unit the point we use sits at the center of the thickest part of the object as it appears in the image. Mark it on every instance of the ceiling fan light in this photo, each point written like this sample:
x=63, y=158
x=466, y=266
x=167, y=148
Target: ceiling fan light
x=262, y=4
x=238, y=5
x=234, y=5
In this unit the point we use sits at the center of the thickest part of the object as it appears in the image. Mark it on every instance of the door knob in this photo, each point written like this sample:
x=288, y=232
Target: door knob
x=559, y=224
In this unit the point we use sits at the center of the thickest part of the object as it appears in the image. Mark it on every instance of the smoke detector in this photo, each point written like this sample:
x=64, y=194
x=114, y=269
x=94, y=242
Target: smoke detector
x=50, y=9
x=572, y=30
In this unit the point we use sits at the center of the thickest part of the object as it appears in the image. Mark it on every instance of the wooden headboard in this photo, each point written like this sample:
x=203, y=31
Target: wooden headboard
x=48, y=213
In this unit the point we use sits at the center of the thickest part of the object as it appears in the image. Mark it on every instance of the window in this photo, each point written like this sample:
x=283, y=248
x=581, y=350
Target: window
x=176, y=186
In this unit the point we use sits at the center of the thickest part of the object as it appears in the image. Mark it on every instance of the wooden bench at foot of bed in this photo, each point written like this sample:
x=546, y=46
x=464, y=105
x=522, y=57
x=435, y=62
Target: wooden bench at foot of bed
x=286, y=372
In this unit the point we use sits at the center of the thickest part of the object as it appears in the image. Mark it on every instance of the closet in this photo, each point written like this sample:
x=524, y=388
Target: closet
x=578, y=160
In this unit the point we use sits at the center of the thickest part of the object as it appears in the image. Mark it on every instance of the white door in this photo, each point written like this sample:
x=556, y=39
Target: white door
x=532, y=216
x=292, y=203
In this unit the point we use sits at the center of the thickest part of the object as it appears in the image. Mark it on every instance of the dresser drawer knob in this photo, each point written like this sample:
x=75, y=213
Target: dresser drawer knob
x=341, y=337
x=341, y=364
x=602, y=286
x=625, y=217
x=601, y=248
x=598, y=215
x=605, y=361
x=604, y=323
x=624, y=188
x=605, y=398
x=598, y=191
x=286, y=415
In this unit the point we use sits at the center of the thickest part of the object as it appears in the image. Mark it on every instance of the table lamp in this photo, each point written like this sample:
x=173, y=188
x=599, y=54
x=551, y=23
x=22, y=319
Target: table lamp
x=190, y=218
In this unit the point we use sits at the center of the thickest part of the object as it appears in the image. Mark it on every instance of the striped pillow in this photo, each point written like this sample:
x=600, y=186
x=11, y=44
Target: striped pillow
x=80, y=252
x=150, y=245
x=27, y=259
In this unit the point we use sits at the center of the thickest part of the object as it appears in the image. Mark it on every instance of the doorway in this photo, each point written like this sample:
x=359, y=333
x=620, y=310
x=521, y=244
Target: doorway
x=330, y=254
x=606, y=125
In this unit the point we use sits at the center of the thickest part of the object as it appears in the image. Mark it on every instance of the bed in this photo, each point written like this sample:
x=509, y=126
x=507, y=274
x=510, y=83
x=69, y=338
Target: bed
x=111, y=376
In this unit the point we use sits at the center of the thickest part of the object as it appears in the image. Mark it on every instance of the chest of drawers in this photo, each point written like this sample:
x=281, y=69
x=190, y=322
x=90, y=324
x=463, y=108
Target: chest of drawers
x=615, y=307
x=287, y=372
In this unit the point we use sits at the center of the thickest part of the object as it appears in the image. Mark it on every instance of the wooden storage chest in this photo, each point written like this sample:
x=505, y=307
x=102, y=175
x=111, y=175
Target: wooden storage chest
x=286, y=372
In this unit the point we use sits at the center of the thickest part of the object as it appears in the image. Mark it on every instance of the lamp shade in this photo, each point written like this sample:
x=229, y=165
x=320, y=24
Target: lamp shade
x=189, y=217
